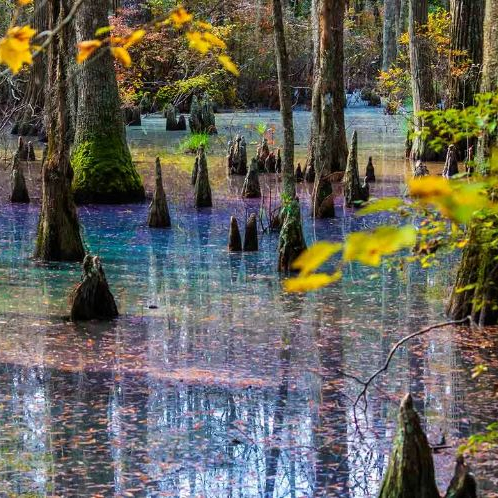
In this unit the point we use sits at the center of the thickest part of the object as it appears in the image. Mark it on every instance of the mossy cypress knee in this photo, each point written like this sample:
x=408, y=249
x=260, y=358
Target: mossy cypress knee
x=202, y=187
x=158, y=209
x=251, y=188
x=19, y=191
x=291, y=242
x=251, y=234
x=352, y=185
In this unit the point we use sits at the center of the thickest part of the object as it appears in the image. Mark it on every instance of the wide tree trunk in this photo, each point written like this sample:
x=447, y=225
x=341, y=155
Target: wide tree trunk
x=331, y=145
x=103, y=169
x=390, y=45
x=478, y=273
x=59, y=236
x=423, y=90
x=467, y=18
x=29, y=121
x=285, y=94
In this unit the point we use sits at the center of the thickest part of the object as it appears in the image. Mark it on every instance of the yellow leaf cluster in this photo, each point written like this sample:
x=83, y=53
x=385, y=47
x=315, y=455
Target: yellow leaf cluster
x=15, y=47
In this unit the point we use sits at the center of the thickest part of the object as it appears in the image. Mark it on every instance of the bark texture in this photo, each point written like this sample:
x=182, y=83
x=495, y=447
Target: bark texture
x=251, y=188
x=234, y=239
x=423, y=90
x=390, y=42
x=331, y=145
x=104, y=172
x=158, y=209
x=451, y=164
x=237, y=156
x=19, y=191
x=285, y=94
x=59, y=236
x=92, y=298
x=202, y=186
x=251, y=234
x=354, y=192
x=291, y=242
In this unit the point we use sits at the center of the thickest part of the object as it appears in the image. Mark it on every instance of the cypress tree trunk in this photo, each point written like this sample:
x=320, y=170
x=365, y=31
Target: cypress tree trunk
x=30, y=119
x=478, y=272
x=103, y=169
x=424, y=94
x=59, y=236
x=284, y=89
x=331, y=145
x=402, y=20
x=467, y=18
x=390, y=45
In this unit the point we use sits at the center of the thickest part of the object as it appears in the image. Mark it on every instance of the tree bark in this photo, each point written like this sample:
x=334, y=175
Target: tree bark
x=390, y=45
x=423, y=91
x=331, y=145
x=104, y=172
x=59, y=236
x=285, y=94
x=467, y=19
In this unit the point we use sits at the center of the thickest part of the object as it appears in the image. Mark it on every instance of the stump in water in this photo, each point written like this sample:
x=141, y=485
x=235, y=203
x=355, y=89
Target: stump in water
x=352, y=187
x=202, y=119
x=202, y=187
x=19, y=191
x=370, y=171
x=158, y=209
x=237, y=156
x=323, y=206
x=420, y=170
x=234, y=239
x=251, y=188
x=22, y=150
x=271, y=163
x=251, y=234
x=31, y=152
x=299, y=173
x=291, y=242
x=365, y=190
x=451, y=164
x=92, y=298
x=262, y=153
x=278, y=163
x=463, y=484
x=132, y=116
x=309, y=172
x=182, y=123
x=410, y=473
x=170, y=115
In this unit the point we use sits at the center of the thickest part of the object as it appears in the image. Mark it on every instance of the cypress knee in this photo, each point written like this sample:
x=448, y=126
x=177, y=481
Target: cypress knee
x=410, y=473
x=202, y=187
x=19, y=191
x=158, y=209
x=234, y=239
x=251, y=234
x=251, y=188
x=451, y=164
x=352, y=186
x=370, y=171
x=92, y=298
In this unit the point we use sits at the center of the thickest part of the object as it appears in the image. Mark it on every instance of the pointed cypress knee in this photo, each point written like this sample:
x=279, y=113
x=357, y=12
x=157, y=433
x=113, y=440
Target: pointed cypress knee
x=19, y=191
x=31, y=152
x=463, y=483
x=92, y=298
x=370, y=171
x=451, y=164
x=234, y=239
x=291, y=242
x=22, y=149
x=309, y=173
x=299, y=173
x=158, y=209
x=202, y=187
x=352, y=185
x=251, y=188
x=410, y=473
x=251, y=234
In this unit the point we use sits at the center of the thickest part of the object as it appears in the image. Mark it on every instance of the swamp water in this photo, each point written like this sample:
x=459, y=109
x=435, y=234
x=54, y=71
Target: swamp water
x=213, y=382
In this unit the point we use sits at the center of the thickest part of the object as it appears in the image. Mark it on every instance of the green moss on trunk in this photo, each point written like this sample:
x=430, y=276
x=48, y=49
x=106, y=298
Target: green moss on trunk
x=104, y=172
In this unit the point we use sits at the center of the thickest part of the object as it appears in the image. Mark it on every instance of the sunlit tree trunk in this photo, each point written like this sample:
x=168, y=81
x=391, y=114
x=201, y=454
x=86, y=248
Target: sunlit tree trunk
x=478, y=272
x=103, y=169
x=390, y=45
x=285, y=98
x=423, y=90
x=331, y=145
x=59, y=236
x=467, y=17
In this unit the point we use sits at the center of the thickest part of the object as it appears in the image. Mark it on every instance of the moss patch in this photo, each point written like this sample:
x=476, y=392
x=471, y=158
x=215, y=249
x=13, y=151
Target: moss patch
x=104, y=172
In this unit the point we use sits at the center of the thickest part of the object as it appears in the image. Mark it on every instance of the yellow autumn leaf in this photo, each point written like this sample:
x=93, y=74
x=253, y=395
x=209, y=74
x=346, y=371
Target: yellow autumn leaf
x=429, y=187
x=204, y=25
x=369, y=247
x=198, y=42
x=311, y=282
x=15, y=49
x=179, y=17
x=214, y=40
x=134, y=38
x=86, y=49
x=227, y=63
x=122, y=55
x=23, y=3
x=314, y=257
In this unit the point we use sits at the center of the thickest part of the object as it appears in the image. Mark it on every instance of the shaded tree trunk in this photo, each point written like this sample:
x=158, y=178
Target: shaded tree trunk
x=285, y=94
x=423, y=91
x=103, y=169
x=30, y=119
x=390, y=45
x=331, y=145
x=59, y=236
